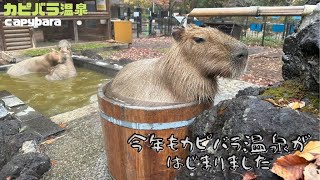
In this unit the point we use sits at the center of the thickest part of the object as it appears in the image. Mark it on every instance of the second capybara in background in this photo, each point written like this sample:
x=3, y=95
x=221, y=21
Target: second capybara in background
x=39, y=64
x=188, y=72
x=65, y=70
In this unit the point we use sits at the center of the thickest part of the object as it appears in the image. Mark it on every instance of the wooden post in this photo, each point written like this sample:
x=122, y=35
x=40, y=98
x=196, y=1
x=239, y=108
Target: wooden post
x=75, y=30
x=2, y=40
x=264, y=29
x=246, y=26
x=285, y=27
x=33, y=39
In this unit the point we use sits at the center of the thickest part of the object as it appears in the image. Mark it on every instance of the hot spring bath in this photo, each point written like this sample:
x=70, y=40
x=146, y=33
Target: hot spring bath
x=54, y=97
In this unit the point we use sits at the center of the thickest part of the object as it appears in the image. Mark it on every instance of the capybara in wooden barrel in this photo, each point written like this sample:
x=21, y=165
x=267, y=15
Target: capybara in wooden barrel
x=40, y=64
x=187, y=73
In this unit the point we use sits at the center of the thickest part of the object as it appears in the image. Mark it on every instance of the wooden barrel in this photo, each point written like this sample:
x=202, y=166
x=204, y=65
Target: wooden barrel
x=122, y=125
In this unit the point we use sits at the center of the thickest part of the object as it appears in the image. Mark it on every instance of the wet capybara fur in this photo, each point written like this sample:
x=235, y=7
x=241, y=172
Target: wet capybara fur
x=39, y=64
x=187, y=73
x=64, y=70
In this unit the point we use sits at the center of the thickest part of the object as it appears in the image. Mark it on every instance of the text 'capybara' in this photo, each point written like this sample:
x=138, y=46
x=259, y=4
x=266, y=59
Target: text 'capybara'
x=187, y=73
x=40, y=64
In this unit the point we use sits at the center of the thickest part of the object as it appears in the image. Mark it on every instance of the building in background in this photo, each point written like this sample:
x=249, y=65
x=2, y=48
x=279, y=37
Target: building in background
x=94, y=26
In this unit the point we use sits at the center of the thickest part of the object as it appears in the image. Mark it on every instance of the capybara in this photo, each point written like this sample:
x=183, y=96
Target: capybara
x=187, y=73
x=65, y=70
x=39, y=64
x=64, y=45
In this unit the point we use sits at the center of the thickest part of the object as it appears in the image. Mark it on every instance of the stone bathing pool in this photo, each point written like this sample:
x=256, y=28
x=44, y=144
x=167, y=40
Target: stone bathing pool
x=54, y=97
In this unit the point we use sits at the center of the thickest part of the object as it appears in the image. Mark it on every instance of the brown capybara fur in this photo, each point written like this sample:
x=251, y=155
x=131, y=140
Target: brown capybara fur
x=40, y=64
x=64, y=45
x=188, y=72
x=65, y=70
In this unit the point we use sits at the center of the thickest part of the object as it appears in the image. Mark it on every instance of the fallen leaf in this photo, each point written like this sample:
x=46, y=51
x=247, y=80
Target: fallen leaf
x=311, y=172
x=289, y=167
x=317, y=162
x=51, y=140
x=8, y=178
x=63, y=125
x=272, y=101
x=283, y=102
x=249, y=176
x=302, y=104
x=310, y=151
x=54, y=163
x=294, y=105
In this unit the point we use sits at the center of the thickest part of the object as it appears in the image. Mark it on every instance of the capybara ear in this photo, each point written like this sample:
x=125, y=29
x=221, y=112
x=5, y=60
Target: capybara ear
x=177, y=32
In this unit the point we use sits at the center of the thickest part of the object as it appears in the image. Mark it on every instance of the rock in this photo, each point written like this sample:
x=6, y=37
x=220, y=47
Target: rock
x=249, y=118
x=124, y=61
x=3, y=112
x=29, y=146
x=301, y=53
x=24, y=166
x=251, y=91
x=91, y=54
x=313, y=2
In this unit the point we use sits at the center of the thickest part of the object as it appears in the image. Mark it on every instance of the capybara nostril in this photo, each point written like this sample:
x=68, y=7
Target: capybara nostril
x=242, y=55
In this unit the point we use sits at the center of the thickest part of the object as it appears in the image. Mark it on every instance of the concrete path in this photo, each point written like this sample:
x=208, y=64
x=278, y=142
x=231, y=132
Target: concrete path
x=79, y=153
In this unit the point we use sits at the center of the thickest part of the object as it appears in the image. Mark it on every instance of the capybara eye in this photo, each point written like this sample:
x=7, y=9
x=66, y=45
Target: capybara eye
x=198, y=39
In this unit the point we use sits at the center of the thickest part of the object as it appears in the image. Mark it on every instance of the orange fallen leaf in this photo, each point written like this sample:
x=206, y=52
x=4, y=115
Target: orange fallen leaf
x=249, y=176
x=51, y=140
x=63, y=125
x=54, y=163
x=311, y=172
x=48, y=141
x=310, y=151
x=289, y=167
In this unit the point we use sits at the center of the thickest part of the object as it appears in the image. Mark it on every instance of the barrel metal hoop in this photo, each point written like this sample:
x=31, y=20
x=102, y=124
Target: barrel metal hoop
x=147, y=126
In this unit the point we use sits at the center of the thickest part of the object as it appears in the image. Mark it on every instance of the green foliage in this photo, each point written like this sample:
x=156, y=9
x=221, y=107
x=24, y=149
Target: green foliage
x=83, y=46
x=36, y=52
x=268, y=41
x=75, y=47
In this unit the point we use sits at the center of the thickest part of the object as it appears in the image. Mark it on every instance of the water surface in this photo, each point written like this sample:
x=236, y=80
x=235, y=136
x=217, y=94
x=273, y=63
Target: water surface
x=54, y=97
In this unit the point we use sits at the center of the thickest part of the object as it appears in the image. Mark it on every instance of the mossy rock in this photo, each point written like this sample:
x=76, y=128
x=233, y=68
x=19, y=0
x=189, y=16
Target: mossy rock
x=291, y=90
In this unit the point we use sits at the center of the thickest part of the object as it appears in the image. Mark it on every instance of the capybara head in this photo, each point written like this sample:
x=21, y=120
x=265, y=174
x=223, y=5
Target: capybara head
x=213, y=52
x=55, y=57
x=64, y=45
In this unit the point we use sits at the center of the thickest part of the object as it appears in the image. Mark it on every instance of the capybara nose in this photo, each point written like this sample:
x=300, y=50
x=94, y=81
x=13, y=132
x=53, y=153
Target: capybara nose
x=240, y=53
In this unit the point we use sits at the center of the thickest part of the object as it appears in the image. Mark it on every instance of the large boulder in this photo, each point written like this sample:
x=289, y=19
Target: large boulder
x=258, y=124
x=26, y=166
x=301, y=53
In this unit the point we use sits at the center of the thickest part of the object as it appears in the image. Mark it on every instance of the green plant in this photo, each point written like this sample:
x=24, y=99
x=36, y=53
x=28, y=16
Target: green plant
x=268, y=41
x=36, y=52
